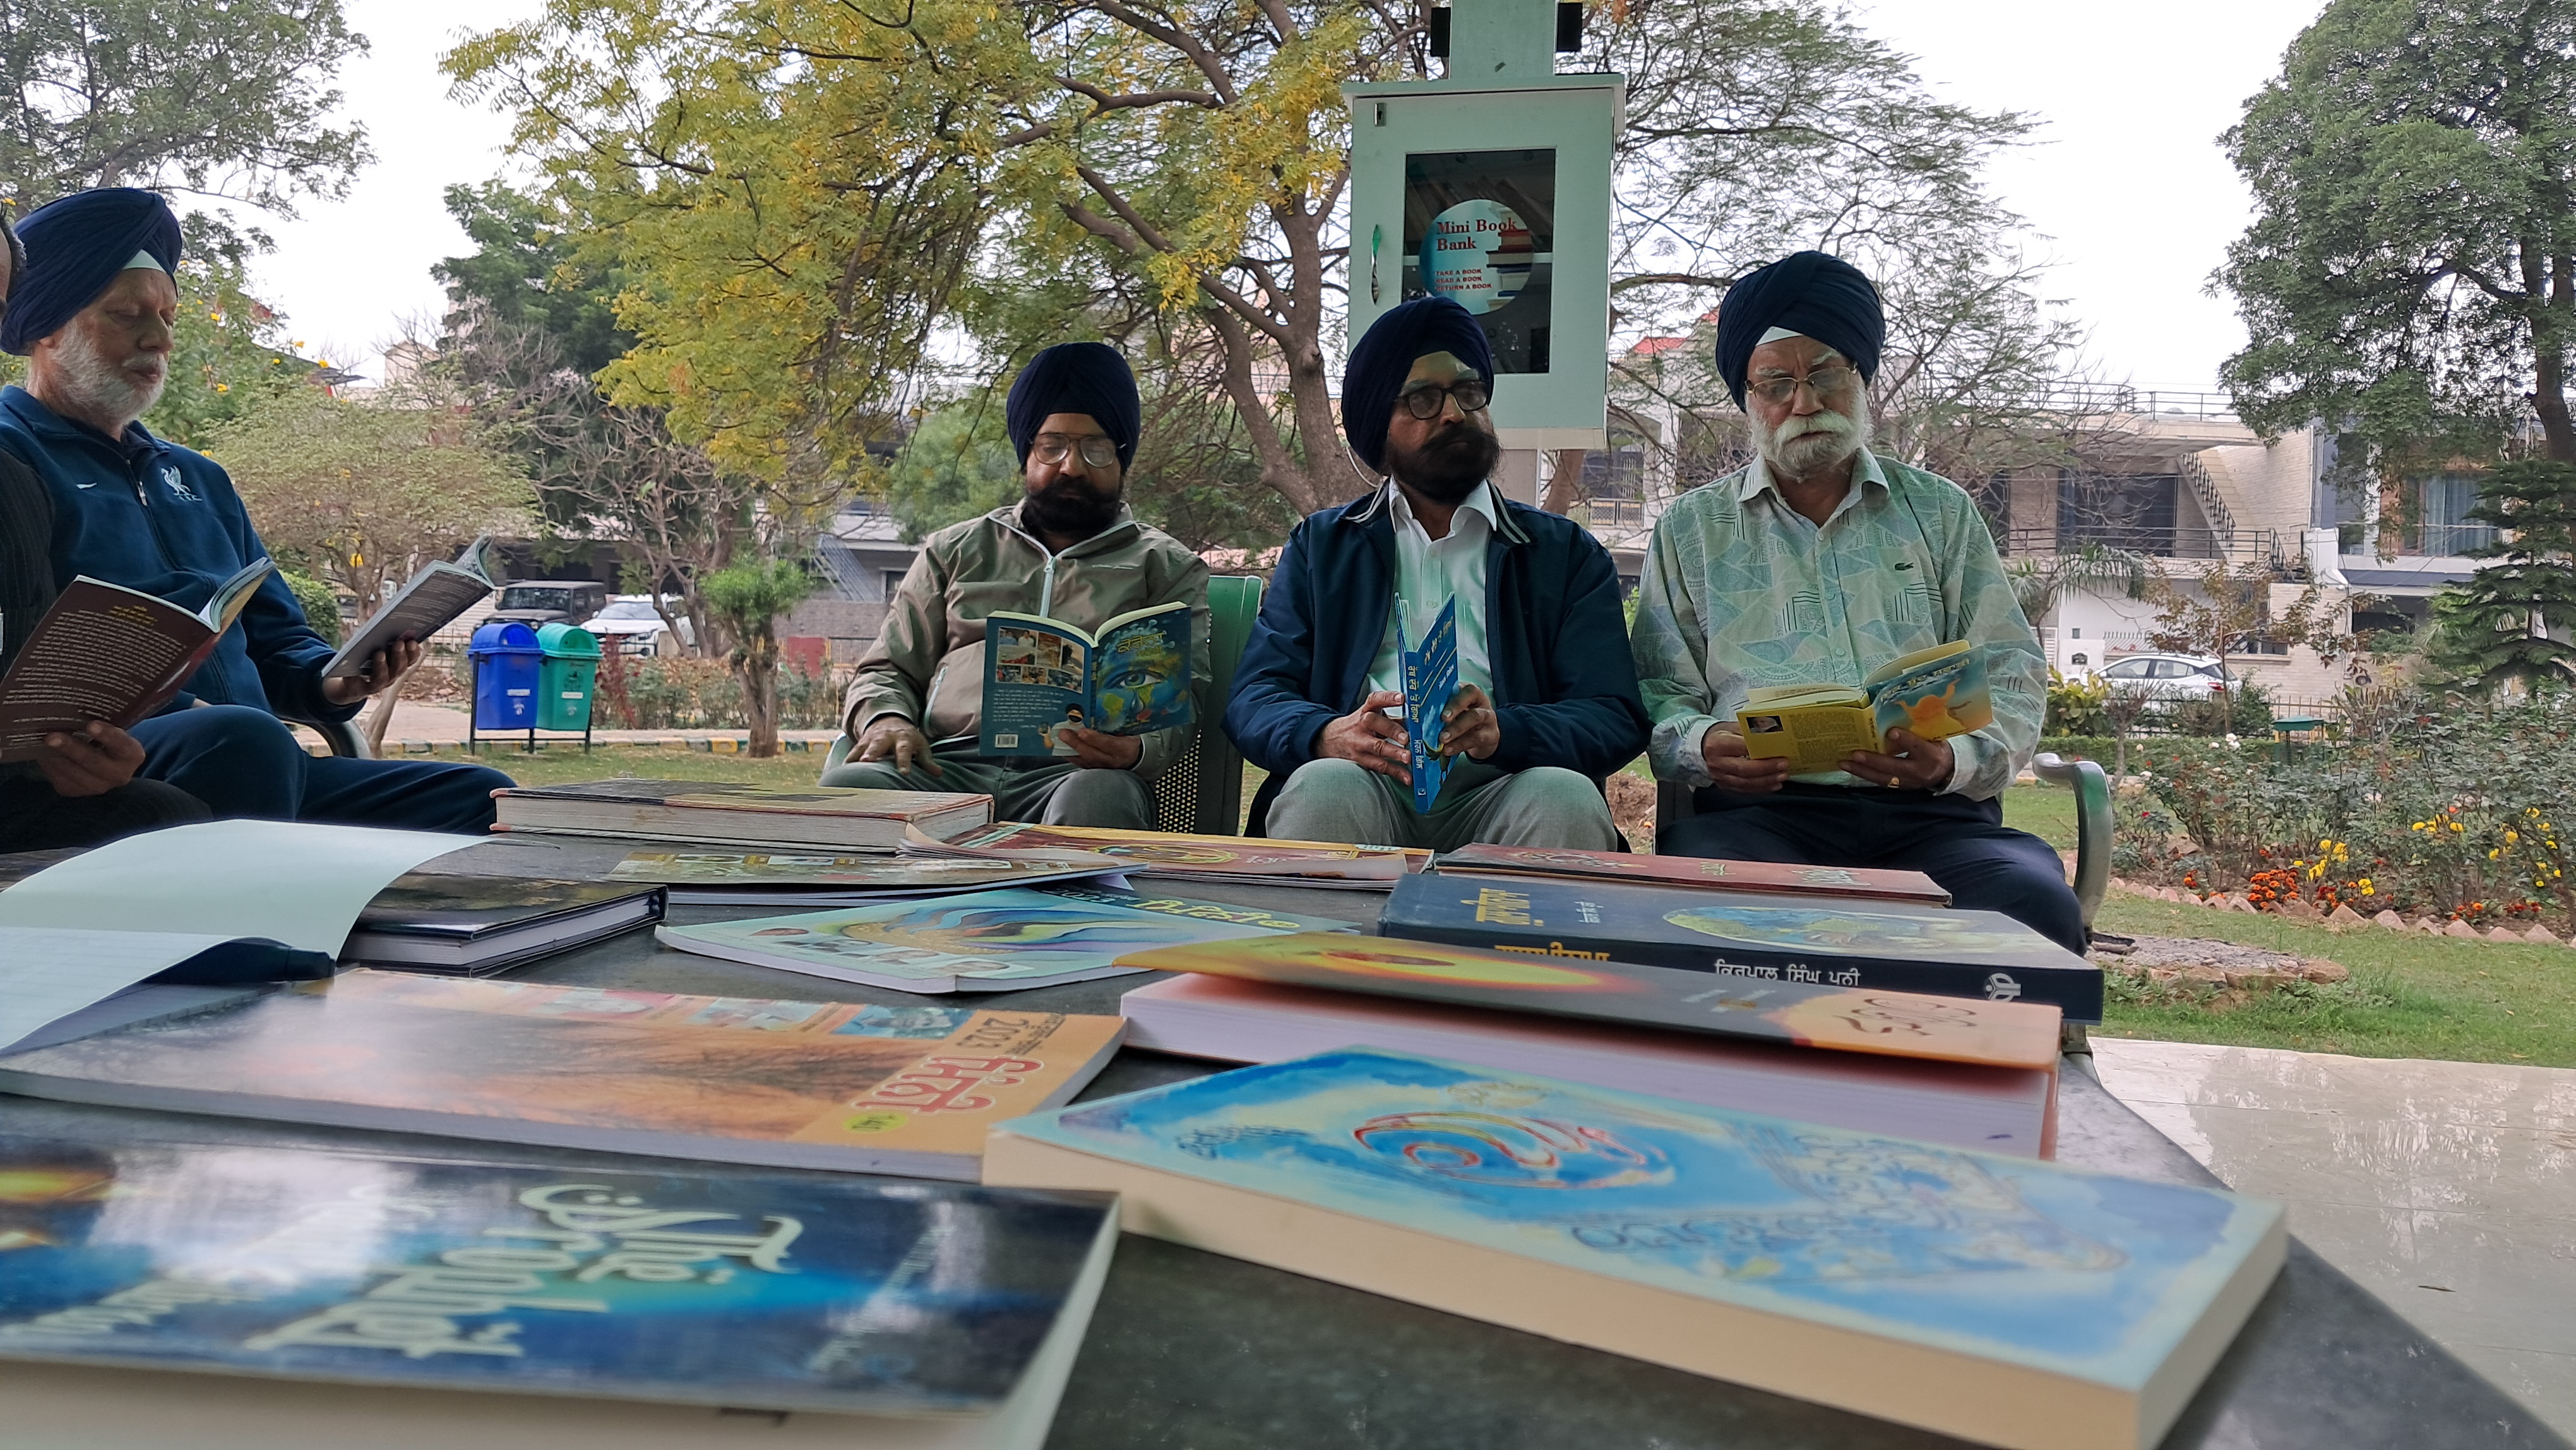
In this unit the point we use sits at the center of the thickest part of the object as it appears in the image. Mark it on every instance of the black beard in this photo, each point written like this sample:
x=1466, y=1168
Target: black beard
x=1071, y=506
x=1448, y=467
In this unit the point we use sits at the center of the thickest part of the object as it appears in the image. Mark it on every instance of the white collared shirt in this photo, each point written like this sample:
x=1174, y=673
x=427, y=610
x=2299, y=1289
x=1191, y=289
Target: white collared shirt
x=1428, y=573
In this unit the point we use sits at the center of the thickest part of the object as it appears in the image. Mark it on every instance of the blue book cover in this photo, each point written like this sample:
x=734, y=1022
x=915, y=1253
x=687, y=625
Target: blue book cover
x=712, y=1286
x=2083, y=1275
x=1886, y=946
x=1430, y=678
x=1043, y=674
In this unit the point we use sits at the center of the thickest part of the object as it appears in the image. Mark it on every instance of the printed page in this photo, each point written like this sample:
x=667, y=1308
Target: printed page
x=1035, y=677
x=56, y=971
x=101, y=653
x=434, y=597
x=300, y=884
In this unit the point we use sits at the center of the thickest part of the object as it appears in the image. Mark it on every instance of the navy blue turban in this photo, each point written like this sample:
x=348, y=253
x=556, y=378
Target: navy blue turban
x=1401, y=337
x=1076, y=377
x=1813, y=294
x=75, y=248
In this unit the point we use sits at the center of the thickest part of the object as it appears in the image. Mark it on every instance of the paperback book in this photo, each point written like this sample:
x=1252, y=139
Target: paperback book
x=746, y=878
x=1870, y=945
x=1246, y=860
x=1935, y=693
x=1044, y=674
x=153, y=1276
x=986, y=941
x=475, y=925
x=435, y=598
x=1430, y=677
x=106, y=652
x=1565, y=864
x=1997, y=1299
x=845, y=1086
x=813, y=817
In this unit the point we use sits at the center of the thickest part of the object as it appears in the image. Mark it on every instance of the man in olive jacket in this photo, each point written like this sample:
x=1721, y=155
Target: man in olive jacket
x=1068, y=550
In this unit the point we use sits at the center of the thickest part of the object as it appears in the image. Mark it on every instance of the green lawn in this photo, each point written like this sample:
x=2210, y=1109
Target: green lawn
x=560, y=765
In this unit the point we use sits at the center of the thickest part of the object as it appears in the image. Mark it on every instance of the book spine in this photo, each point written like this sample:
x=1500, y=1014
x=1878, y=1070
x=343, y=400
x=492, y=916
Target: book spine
x=2076, y=994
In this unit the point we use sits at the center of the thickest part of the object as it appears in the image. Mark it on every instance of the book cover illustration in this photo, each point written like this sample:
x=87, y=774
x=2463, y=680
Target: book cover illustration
x=1043, y=674
x=1876, y=945
x=725, y=875
x=1172, y=853
x=1901, y=1024
x=1430, y=677
x=1012, y=936
x=2075, y=1273
x=1481, y=859
x=843, y=1075
x=710, y=1286
x=424, y=903
x=717, y=795
x=1935, y=693
x=106, y=652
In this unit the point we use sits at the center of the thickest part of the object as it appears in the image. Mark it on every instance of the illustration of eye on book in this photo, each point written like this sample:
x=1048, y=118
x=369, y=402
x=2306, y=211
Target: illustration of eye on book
x=1041, y=675
x=1934, y=693
x=106, y=652
x=1430, y=678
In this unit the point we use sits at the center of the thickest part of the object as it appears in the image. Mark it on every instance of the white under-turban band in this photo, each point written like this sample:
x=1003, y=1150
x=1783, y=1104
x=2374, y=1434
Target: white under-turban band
x=1777, y=333
x=148, y=261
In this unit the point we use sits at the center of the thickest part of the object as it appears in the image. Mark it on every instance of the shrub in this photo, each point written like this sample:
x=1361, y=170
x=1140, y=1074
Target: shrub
x=684, y=692
x=2075, y=706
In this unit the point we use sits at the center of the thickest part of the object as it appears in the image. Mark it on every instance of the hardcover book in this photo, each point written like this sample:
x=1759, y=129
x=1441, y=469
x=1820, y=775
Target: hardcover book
x=472, y=925
x=1875, y=946
x=1253, y=861
x=1480, y=859
x=1997, y=1299
x=1042, y=674
x=986, y=941
x=746, y=878
x=449, y=1292
x=1935, y=693
x=828, y=817
x=844, y=1086
x=1430, y=669
x=106, y=652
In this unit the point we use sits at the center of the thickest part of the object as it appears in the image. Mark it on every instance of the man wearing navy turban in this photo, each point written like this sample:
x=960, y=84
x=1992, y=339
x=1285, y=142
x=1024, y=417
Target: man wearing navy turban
x=96, y=317
x=1546, y=704
x=1067, y=549
x=1816, y=564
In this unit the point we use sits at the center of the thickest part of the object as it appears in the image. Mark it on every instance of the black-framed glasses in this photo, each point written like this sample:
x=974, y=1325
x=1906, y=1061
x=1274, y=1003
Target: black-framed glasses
x=1827, y=381
x=1427, y=401
x=1097, y=450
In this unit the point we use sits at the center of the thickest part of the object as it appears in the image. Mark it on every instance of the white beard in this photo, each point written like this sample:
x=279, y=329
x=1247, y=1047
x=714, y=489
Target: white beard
x=1801, y=446
x=102, y=388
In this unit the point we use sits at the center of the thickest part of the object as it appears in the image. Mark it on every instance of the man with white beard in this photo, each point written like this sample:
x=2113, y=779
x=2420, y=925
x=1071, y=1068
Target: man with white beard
x=96, y=315
x=1817, y=563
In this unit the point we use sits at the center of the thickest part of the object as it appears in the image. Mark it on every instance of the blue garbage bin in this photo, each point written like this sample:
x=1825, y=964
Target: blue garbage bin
x=506, y=660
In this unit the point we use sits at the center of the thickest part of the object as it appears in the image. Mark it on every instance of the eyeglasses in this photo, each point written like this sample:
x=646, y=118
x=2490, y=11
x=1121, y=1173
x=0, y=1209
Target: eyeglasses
x=1427, y=402
x=1097, y=450
x=1825, y=381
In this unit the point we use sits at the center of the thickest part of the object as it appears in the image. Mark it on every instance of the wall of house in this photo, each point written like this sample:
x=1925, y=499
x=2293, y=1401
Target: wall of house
x=2267, y=485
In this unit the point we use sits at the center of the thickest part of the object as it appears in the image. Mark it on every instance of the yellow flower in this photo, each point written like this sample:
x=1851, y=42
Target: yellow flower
x=223, y=387
x=2512, y=836
x=2491, y=855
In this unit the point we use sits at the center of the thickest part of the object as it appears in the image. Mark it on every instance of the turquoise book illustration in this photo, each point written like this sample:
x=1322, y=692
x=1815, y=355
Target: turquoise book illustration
x=1983, y=1259
x=709, y=1286
x=1043, y=674
x=1430, y=678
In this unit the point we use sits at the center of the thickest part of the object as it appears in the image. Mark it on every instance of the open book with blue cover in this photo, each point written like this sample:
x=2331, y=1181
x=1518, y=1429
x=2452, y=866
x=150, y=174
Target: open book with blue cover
x=1430, y=678
x=1041, y=675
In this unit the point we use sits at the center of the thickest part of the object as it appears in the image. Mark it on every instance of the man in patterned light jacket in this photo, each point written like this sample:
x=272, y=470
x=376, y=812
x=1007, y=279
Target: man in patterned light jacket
x=1817, y=563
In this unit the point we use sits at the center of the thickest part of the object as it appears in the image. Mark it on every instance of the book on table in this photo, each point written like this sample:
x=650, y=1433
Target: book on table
x=811, y=817
x=984, y=941
x=1429, y=669
x=1563, y=863
x=106, y=652
x=1997, y=1299
x=846, y=1086
x=1874, y=945
x=1252, y=861
x=778, y=878
x=1040, y=674
x=1935, y=693
x=219, y=1296
x=435, y=598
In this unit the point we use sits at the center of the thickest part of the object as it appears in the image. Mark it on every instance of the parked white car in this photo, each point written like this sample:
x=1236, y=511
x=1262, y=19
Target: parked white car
x=2166, y=677
x=630, y=621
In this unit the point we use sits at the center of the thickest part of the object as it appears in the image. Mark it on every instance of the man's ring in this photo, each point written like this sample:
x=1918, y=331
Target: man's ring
x=1894, y=783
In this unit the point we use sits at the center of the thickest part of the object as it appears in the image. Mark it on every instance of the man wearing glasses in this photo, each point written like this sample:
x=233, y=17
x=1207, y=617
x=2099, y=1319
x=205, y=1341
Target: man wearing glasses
x=1068, y=550
x=1547, y=701
x=1817, y=563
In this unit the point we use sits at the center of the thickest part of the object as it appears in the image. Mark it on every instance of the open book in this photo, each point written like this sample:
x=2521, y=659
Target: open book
x=432, y=600
x=1430, y=678
x=106, y=652
x=1043, y=674
x=1935, y=693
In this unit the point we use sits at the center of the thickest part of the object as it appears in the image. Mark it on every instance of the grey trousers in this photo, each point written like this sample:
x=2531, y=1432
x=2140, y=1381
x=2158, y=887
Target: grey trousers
x=1336, y=800
x=1056, y=793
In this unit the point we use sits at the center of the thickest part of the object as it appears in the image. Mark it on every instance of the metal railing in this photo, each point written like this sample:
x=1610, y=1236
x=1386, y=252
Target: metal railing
x=2084, y=397
x=2441, y=540
x=2204, y=491
x=2240, y=546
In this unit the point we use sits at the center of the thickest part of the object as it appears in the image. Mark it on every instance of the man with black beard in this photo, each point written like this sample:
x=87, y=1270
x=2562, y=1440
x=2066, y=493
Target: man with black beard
x=1546, y=703
x=1068, y=550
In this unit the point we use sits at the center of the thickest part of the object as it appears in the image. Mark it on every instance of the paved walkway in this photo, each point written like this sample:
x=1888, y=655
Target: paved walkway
x=2446, y=1188
x=418, y=729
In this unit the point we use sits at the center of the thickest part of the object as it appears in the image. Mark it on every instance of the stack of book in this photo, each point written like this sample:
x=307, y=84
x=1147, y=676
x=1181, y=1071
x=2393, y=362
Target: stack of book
x=818, y=817
x=1248, y=861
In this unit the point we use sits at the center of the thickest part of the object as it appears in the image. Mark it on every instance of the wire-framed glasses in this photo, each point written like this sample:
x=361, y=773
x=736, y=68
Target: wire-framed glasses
x=1826, y=381
x=1427, y=401
x=1097, y=450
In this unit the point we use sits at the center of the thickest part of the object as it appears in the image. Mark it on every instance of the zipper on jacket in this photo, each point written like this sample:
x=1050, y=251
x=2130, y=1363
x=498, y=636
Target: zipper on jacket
x=151, y=518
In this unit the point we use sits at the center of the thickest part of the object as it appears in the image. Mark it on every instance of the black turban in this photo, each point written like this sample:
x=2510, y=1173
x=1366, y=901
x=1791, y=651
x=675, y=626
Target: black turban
x=1076, y=377
x=1813, y=294
x=75, y=248
x=1404, y=335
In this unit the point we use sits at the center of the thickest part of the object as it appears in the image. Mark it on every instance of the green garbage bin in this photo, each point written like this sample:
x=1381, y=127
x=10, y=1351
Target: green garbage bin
x=565, y=677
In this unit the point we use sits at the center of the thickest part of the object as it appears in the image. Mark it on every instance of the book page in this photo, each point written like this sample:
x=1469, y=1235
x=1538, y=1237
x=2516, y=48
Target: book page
x=101, y=653
x=1036, y=677
x=1141, y=675
x=234, y=595
x=57, y=971
x=434, y=598
x=1814, y=739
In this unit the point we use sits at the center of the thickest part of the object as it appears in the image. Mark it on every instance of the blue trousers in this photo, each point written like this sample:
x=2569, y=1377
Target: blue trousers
x=1962, y=844
x=246, y=763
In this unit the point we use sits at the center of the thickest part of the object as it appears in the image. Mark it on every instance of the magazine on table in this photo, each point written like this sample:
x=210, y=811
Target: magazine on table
x=1042, y=675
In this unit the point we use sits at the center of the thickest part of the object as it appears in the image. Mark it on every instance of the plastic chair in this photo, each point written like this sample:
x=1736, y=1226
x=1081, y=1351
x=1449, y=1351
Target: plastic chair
x=1201, y=793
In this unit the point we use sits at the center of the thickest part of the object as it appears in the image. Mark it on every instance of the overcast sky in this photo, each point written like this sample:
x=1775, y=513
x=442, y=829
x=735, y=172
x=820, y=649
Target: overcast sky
x=2126, y=179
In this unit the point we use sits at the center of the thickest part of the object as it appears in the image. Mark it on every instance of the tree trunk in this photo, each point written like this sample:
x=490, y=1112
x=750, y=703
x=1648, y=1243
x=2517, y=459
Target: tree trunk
x=759, y=676
x=380, y=713
x=1565, y=482
x=2549, y=400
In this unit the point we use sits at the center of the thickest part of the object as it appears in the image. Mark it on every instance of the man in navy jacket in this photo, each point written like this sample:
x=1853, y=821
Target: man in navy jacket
x=1547, y=700
x=95, y=316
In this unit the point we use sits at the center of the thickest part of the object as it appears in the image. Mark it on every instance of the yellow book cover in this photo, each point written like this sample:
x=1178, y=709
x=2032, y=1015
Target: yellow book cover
x=1935, y=693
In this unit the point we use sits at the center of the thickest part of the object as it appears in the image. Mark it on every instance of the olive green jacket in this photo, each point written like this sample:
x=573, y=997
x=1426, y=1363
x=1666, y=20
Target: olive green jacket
x=927, y=663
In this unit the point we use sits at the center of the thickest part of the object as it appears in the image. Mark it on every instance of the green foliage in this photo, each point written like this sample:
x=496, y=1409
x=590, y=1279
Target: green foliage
x=683, y=692
x=2244, y=711
x=2497, y=629
x=321, y=603
x=957, y=465
x=2408, y=265
x=231, y=355
x=2075, y=706
x=526, y=270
